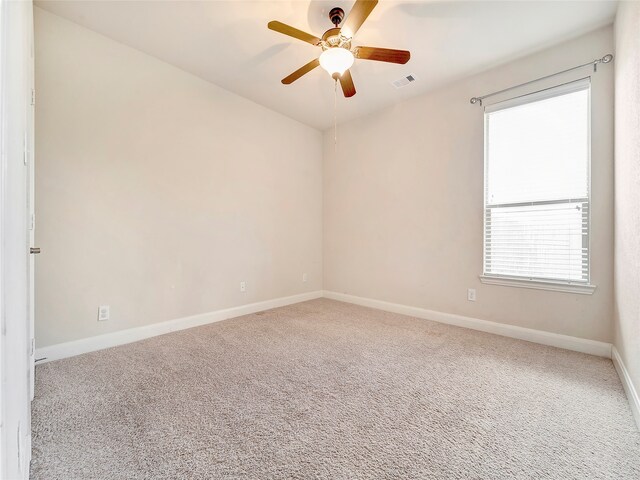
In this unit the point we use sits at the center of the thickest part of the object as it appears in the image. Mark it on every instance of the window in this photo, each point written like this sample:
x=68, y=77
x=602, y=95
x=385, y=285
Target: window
x=536, y=218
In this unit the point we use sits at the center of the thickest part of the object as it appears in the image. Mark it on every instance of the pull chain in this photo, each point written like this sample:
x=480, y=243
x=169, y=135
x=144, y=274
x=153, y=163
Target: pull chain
x=335, y=116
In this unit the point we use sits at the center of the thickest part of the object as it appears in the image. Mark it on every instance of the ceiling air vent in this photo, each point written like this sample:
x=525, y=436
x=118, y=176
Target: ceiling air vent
x=404, y=81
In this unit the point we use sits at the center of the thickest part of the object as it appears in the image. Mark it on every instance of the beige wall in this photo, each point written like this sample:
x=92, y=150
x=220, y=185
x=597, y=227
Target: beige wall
x=157, y=192
x=627, y=188
x=403, y=199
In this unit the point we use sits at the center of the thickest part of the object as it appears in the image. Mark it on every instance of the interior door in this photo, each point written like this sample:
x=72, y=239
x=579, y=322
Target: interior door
x=16, y=167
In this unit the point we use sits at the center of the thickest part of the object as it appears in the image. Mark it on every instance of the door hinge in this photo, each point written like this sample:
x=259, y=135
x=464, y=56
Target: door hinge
x=33, y=96
x=33, y=346
x=32, y=222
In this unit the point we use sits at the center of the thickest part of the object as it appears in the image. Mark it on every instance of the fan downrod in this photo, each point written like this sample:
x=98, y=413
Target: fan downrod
x=336, y=15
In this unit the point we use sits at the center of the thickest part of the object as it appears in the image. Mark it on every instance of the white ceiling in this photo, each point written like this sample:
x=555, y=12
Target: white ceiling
x=228, y=43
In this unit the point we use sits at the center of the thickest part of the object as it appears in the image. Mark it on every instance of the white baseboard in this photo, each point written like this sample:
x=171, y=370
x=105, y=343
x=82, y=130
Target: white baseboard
x=583, y=345
x=627, y=383
x=99, y=342
x=602, y=349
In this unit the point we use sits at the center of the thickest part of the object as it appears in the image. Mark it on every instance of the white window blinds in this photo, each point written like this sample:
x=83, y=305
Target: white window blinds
x=537, y=186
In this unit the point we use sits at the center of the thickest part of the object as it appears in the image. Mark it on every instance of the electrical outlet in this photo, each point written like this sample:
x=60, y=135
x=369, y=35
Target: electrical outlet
x=304, y=277
x=471, y=294
x=103, y=313
x=243, y=286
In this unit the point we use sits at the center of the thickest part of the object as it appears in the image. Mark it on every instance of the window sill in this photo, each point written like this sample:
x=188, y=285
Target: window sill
x=581, y=288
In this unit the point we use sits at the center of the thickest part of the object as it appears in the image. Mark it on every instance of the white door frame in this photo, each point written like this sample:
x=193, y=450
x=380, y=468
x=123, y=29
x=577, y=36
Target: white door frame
x=31, y=197
x=16, y=153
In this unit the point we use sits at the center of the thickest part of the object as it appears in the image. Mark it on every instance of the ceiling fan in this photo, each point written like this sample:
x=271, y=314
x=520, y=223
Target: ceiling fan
x=337, y=53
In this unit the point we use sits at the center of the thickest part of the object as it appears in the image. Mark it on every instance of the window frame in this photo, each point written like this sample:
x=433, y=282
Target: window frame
x=568, y=286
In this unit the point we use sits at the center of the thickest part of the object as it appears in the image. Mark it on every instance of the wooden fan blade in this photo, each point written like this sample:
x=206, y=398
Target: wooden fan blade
x=293, y=32
x=346, y=82
x=382, y=54
x=357, y=16
x=301, y=71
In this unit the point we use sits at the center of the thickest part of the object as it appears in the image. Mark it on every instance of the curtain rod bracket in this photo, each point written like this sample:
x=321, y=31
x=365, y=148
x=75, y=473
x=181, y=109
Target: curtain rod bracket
x=608, y=58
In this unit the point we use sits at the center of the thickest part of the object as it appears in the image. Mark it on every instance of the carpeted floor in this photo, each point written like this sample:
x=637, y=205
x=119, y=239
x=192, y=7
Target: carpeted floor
x=328, y=390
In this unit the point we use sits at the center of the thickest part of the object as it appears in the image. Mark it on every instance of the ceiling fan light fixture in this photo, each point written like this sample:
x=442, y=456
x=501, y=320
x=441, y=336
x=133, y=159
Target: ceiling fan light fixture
x=336, y=60
x=337, y=57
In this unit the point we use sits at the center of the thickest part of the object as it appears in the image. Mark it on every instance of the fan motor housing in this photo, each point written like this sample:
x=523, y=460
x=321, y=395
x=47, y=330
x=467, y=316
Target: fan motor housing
x=332, y=38
x=330, y=34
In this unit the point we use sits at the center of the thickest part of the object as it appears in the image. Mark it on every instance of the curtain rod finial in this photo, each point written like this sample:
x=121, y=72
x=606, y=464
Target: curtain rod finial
x=475, y=100
x=607, y=58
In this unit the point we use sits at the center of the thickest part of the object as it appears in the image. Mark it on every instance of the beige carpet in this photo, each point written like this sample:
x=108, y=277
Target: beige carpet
x=327, y=390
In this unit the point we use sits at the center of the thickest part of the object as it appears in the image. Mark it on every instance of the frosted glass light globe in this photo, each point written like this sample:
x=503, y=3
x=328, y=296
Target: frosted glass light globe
x=336, y=60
